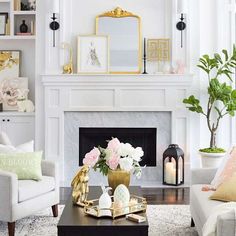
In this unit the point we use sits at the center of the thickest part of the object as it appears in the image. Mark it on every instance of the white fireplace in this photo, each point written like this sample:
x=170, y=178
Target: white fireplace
x=74, y=101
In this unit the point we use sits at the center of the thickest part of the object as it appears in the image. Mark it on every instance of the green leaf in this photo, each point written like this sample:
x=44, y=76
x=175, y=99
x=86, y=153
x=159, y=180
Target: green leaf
x=226, y=54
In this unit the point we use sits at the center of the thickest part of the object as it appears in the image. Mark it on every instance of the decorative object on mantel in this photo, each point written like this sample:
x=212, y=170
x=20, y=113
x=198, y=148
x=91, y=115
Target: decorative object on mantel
x=93, y=54
x=124, y=30
x=159, y=50
x=9, y=64
x=80, y=186
x=181, y=25
x=54, y=25
x=9, y=90
x=68, y=67
x=24, y=104
x=144, y=57
x=117, y=158
x=23, y=27
x=173, y=166
x=221, y=101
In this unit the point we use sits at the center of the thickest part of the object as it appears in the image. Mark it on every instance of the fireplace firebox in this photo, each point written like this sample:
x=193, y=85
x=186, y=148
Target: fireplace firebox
x=137, y=137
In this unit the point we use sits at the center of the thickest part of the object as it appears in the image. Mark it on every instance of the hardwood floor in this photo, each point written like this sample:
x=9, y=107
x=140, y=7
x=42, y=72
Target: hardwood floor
x=154, y=196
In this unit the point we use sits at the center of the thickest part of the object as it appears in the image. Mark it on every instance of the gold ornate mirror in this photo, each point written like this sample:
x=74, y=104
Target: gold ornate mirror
x=124, y=30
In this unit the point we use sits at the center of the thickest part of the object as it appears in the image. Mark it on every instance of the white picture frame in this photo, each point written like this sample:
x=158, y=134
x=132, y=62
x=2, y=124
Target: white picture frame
x=3, y=23
x=93, y=54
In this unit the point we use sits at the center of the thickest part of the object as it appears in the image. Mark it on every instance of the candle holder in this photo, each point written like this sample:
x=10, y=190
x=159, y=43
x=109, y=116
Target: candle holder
x=144, y=58
x=173, y=166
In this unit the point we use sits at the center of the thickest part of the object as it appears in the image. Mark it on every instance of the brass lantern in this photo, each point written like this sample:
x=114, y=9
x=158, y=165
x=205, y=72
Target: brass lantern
x=173, y=166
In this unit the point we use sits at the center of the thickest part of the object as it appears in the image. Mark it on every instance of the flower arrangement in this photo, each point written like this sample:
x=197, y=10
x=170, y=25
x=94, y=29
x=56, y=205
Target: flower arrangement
x=116, y=156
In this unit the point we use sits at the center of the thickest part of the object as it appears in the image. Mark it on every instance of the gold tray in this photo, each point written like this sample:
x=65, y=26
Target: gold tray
x=137, y=204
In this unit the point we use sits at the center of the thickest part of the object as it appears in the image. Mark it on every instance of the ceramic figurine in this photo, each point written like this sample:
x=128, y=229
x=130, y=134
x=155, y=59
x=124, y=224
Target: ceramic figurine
x=80, y=187
x=105, y=201
x=24, y=105
x=68, y=67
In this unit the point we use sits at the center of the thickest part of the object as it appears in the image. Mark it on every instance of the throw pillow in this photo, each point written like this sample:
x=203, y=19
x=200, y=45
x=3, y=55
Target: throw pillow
x=226, y=192
x=27, y=166
x=25, y=147
x=227, y=169
x=4, y=139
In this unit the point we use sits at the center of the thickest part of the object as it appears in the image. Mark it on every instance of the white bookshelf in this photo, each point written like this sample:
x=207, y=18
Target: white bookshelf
x=16, y=17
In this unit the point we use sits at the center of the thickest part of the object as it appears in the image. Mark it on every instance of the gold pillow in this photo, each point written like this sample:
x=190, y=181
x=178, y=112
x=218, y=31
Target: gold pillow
x=226, y=192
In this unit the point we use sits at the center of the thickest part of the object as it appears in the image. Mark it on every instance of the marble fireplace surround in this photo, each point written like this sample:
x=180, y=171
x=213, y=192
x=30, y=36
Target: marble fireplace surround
x=66, y=97
x=74, y=120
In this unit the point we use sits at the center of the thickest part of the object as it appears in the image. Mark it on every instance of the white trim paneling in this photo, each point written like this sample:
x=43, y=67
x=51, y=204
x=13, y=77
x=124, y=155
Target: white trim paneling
x=112, y=93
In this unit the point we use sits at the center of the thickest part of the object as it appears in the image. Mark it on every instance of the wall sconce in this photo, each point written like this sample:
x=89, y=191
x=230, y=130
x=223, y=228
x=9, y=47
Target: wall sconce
x=54, y=25
x=181, y=25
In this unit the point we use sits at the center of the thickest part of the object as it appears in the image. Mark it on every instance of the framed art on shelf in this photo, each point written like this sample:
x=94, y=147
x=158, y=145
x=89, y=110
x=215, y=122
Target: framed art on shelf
x=9, y=64
x=3, y=22
x=93, y=54
x=10, y=90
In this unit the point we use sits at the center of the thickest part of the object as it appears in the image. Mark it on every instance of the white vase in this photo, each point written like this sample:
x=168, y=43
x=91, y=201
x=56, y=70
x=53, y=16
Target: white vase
x=211, y=160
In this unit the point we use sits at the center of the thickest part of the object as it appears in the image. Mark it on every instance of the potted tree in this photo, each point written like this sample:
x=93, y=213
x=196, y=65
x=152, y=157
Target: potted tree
x=221, y=100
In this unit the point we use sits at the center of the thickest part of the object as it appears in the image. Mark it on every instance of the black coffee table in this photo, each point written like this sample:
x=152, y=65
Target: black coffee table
x=74, y=222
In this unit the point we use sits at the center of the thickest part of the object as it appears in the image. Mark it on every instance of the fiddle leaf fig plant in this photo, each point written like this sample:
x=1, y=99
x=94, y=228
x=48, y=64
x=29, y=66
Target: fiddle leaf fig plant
x=221, y=95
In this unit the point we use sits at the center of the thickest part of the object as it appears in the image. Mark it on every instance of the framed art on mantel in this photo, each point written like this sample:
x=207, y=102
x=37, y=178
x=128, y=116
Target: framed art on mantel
x=93, y=54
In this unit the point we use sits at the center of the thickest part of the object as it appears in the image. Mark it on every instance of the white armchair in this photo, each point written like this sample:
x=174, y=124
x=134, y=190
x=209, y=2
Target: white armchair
x=21, y=198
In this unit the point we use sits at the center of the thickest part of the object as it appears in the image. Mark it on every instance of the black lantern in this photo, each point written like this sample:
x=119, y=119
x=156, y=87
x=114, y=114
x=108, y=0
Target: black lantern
x=173, y=166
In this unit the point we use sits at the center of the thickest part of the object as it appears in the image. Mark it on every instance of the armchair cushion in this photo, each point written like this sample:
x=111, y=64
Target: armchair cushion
x=29, y=189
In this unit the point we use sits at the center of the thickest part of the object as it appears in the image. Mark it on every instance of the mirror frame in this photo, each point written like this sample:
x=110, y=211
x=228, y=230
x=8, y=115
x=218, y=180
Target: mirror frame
x=120, y=13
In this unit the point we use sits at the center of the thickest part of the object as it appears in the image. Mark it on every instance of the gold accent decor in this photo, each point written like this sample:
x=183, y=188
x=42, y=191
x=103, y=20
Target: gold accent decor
x=121, y=13
x=158, y=49
x=7, y=60
x=68, y=68
x=117, y=177
x=138, y=204
x=117, y=13
x=80, y=187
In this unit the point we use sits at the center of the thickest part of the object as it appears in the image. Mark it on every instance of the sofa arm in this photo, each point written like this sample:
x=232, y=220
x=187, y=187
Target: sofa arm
x=8, y=194
x=226, y=224
x=202, y=176
x=51, y=169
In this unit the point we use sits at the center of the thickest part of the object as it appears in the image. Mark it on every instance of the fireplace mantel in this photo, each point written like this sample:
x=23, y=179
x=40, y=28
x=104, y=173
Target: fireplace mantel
x=159, y=92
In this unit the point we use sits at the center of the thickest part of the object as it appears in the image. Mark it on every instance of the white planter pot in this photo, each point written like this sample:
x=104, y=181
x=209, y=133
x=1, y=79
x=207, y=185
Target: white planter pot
x=211, y=160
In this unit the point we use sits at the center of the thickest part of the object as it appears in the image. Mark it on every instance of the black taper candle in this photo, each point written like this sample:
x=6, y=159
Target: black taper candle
x=144, y=57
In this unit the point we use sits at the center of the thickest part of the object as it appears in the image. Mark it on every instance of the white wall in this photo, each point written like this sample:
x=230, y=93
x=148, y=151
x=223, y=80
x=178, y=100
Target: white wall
x=207, y=23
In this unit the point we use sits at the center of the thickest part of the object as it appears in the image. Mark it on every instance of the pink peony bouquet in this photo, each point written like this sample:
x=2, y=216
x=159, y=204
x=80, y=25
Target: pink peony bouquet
x=115, y=156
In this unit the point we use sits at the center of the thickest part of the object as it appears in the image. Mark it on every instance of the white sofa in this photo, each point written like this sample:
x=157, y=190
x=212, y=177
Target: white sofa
x=19, y=199
x=201, y=206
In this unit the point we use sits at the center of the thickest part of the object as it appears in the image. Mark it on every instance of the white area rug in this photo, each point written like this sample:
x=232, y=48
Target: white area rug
x=164, y=220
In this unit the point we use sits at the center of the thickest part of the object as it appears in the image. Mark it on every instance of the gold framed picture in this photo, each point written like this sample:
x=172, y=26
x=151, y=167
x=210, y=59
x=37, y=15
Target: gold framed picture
x=158, y=49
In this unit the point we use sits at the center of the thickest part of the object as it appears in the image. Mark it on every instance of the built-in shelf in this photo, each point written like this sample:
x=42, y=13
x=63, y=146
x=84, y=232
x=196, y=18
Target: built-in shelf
x=17, y=37
x=24, y=12
x=16, y=113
